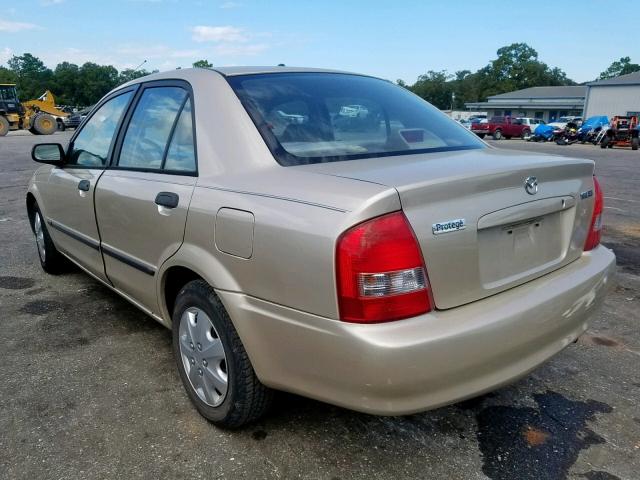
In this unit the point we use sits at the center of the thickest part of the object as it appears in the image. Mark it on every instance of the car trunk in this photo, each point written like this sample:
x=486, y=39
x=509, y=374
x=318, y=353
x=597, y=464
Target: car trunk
x=509, y=236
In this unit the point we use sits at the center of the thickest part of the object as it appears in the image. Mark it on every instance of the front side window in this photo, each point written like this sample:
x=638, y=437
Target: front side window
x=151, y=126
x=91, y=147
x=323, y=117
x=8, y=93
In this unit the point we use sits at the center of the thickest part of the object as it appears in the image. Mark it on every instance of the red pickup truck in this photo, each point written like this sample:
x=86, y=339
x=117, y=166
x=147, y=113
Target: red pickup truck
x=502, y=127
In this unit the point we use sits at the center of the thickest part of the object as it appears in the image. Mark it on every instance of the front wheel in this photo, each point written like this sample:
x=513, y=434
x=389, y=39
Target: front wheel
x=497, y=135
x=634, y=143
x=44, y=124
x=526, y=134
x=212, y=362
x=604, y=142
x=51, y=259
x=4, y=126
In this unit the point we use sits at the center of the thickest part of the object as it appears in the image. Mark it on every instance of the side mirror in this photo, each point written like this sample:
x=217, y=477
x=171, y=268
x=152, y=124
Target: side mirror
x=50, y=153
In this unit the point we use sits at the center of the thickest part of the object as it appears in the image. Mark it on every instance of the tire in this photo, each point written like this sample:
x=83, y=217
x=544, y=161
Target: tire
x=245, y=399
x=526, y=134
x=61, y=126
x=497, y=135
x=634, y=143
x=44, y=124
x=4, y=126
x=51, y=260
x=604, y=142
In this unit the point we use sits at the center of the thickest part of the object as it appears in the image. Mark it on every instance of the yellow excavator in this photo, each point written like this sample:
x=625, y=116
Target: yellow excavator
x=40, y=116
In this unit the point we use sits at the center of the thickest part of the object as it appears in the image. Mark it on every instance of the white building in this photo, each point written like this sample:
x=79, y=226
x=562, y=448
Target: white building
x=615, y=96
x=545, y=103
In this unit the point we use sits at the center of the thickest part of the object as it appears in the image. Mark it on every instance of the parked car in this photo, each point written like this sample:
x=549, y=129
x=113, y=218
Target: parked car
x=477, y=118
x=354, y=111
x=465, y=123
x=532, y=123
x=75, y=119
x=562, y=122
x=502, y=127
x=389, y=270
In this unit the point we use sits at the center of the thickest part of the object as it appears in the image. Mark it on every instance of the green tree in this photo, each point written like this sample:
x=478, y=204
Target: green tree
x=95, y=81
x=7, y=76
x=32, y=76
x=435, y=87
x=202, y=64
x=516, y=67
x=620, y=67
x=129, y=74
x=65, y=85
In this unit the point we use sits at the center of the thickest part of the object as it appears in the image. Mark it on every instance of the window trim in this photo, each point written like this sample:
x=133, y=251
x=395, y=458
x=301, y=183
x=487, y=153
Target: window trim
x=115, y=158
x=110, y=96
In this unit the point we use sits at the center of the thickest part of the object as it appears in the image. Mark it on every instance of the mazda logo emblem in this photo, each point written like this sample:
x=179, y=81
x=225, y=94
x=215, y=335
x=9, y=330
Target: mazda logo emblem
x=531, y=185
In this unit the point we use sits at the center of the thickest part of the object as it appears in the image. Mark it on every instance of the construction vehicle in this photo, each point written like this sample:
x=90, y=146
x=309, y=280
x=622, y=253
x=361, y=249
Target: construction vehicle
x=40, y=116
x=623, y=132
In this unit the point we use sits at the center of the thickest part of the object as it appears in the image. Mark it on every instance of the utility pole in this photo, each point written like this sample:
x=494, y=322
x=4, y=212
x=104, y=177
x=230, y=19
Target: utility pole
x=139, y=66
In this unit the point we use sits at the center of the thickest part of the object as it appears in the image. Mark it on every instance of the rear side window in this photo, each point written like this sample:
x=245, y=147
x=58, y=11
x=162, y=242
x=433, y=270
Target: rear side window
x=181, y=154
x=91, y=147
x=160, y=132
x=324, y=117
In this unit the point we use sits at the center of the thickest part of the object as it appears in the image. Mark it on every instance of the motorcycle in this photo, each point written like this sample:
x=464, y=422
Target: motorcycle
x=568, y=135
x=591, y=129
x=542, y=133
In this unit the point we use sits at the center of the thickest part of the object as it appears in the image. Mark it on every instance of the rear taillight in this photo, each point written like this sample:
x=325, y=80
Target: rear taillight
x=380, y=272
x=595, y=227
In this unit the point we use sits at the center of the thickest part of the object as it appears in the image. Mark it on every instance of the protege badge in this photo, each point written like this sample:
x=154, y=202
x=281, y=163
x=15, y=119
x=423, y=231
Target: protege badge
x=448, y=226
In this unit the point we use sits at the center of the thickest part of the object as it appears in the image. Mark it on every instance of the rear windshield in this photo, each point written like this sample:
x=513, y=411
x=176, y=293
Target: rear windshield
x=325, y=117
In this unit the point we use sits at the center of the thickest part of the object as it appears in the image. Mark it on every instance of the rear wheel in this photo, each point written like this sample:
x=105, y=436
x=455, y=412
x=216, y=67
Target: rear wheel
x=44, y=124
x=634, y=143
x=4, y=126
x=212, y=362
x=497, y=135
x=604, y=142
x=526, y=134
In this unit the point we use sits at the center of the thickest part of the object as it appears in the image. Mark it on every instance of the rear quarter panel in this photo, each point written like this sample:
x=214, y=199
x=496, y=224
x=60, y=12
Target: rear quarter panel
x=292, y=258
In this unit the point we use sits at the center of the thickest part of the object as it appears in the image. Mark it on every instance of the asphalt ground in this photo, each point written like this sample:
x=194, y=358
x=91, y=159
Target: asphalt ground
x=88, y=388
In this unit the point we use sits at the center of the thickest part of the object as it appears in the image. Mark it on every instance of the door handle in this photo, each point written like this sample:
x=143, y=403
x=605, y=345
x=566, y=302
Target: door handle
x=167, y=199
x=84, y=185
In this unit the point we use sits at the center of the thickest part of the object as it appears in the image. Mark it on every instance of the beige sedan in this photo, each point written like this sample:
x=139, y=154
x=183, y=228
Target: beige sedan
x=388, y=262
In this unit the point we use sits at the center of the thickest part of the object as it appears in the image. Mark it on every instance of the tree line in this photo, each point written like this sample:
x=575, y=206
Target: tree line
x=76, y=85
x=517, y=66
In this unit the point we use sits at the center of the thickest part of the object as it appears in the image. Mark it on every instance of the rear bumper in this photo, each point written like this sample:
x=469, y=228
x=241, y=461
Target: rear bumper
x=420, y=363
x=481, y=132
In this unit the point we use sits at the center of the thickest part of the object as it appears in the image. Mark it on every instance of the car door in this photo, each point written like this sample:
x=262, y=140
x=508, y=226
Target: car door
x=143, y=198
x=68, y=195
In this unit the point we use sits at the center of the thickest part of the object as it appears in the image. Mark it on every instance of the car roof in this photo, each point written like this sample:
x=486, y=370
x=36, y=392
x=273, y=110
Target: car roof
x=231, y=71
x=193, y=73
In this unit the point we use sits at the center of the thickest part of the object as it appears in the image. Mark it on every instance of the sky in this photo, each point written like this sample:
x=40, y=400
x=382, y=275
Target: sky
x=392, y=40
